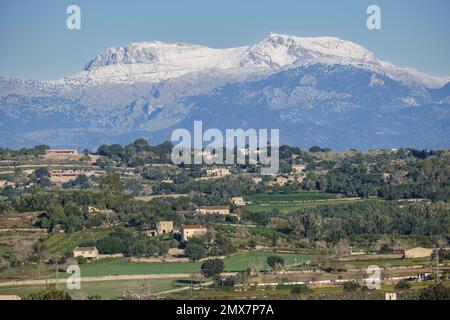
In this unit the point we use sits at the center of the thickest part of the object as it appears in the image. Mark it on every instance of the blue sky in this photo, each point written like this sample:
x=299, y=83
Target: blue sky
x=35, y=43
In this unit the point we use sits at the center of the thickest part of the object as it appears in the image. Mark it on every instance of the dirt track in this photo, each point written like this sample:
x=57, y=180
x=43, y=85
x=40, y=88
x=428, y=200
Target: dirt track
x=103, y=278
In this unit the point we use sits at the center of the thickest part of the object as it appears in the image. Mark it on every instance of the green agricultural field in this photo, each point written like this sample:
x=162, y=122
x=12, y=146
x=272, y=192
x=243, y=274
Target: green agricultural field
x=236, y=262
x=108, y=267
x=27, y=271
x=242, y=261
x=383, y=263
x=105, y=289
x=289, y=197
x=294, y=206
x=4, y=250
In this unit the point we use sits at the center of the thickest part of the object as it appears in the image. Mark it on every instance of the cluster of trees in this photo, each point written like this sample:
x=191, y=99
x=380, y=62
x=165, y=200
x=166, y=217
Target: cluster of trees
x=412, y=177
x=49, y=293
x=212, y=268
x=216, y=244
x=332, y=223
x=130, y=243
x=82, y=182
x=276, y=263
x=68, y=210
x=69, y=218
x=8, y=154
x=40, y=178
x=405, y=173
x=210, y=192
x=435, y=292
x=137, y=153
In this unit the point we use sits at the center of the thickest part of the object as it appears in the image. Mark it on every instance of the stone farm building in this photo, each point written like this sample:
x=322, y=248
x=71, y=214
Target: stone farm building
x=66, y=152
x=90, y=253
x=238, y=201
x=160, y=228
x=5, y=183
x=281, y=180
x=298, y=168
x=10, y=297
x=192, y=230
x=220, y=210
x=60, y=176
x=164, y=227
x=217, y=172
x=257, y=179
x=64, y=176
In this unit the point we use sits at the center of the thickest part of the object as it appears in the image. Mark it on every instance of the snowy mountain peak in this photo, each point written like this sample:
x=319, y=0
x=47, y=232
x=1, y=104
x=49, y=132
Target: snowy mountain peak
x=278, y=50
x=155, y=61
x=317, y=91
x=136, y=53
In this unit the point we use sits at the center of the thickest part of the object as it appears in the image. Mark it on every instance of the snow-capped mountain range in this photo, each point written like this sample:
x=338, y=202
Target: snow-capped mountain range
x=149, y=88
x=156, y=61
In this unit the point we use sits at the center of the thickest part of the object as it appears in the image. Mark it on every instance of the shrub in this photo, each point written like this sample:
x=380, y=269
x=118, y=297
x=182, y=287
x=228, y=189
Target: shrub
x=110, y=245
x=300, y=290
x=403, y=285
x=229, y=281
x=435, y=292
x=49, y=293
x=275, y=262
x=195, y=251
x=81, y=260
x=212, y=268
x=351, y=286
x=251, y=243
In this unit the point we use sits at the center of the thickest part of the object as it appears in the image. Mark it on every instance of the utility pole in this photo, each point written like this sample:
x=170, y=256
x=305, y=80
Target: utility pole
x=192, y=280
x=55, y=265
x=436, y=257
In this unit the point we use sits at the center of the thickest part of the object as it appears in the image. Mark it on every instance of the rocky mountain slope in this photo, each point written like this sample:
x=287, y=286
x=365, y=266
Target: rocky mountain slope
x=317, y=91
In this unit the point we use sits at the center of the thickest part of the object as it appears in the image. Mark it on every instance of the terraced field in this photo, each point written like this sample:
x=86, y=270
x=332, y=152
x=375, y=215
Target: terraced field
x=286, y=203
x=61, y=243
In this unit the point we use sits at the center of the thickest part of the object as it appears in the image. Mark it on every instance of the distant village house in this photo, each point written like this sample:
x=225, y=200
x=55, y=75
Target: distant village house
x=298, y=168
x=67, y=152
x=221, y=210
x=280, y=180
x=218, y=172
x=5, y=183
x=160, y=228
x=238, y=201
x=192, y=230
x=164, y=227
x=257, y=179
x=64, y=176
x=90, y=253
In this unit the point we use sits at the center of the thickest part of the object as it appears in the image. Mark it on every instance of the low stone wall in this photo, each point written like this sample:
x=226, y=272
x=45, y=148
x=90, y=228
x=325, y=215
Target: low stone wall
x=107, y=256
x=169, y=259
x=158, y=260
